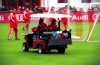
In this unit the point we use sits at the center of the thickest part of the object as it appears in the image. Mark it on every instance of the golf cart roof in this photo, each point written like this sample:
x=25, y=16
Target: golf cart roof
x=48, y=15
x=35, y=19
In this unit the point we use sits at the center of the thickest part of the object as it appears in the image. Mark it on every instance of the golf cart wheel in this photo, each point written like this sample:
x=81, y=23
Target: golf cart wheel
x=41, y=50
x=61, y=50
x=25, y=47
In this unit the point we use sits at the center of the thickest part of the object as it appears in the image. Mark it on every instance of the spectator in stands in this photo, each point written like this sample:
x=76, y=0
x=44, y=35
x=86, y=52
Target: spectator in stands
x=74, y=9
x=97, y=7
x=3, y=8
x=96, y=10
x=44, y=10
x=91, y=9
x=30, y=11
x=70, y=8
x=52, y=10
x=35, y=9
x=81, y=10
x=39, y=10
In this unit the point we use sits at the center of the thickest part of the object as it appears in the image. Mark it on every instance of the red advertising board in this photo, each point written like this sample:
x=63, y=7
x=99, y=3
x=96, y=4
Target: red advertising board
x=76, y=17
x=4, y=17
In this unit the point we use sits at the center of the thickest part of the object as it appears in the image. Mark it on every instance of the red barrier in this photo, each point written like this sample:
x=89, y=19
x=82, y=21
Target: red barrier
x=83, y=17
x=4, y=17
x=79, y=16
x=76, y=17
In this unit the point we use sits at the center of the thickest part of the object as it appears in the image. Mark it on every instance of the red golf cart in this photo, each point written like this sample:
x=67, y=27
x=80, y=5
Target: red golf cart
x=46, y=40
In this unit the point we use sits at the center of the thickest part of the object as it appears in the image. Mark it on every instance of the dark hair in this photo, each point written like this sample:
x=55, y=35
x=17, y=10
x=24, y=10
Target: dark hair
x=53, y=21
x=41, y=20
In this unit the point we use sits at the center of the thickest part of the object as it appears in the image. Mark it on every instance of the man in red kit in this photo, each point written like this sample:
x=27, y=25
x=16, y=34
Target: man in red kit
x=65, y=20
x=26, y=15
x=42, y=26
x=53, y=25
x=13, y=24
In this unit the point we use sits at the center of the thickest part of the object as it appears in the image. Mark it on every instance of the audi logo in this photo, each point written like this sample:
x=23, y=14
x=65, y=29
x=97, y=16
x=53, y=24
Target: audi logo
x=19, y=17
x=94, y=17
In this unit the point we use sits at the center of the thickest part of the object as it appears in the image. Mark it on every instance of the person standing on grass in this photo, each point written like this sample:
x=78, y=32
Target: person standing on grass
x=13, y=24
x=65, y=20
x=26, y=15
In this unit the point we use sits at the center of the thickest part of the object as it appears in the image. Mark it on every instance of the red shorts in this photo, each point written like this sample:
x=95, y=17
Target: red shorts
x=13, y=25
x=64, y=20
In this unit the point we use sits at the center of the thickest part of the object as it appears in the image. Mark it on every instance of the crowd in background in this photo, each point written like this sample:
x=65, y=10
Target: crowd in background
x=21, y=8
x=41, y=9
x=26, y=14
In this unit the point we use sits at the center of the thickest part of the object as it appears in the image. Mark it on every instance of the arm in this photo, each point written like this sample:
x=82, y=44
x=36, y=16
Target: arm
x=24, y=13
x=11, y=17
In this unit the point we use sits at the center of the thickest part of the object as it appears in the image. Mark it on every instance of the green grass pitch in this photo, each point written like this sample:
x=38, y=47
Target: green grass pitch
x=79, y=53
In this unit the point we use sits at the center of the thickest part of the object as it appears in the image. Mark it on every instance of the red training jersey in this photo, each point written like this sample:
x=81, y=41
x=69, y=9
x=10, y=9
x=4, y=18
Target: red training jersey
x=26, y=15
x=65, y=12
x=13, y=20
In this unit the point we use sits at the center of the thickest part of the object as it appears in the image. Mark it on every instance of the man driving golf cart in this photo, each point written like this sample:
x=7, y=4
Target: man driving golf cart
x=43, y=27
x=46, y=38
